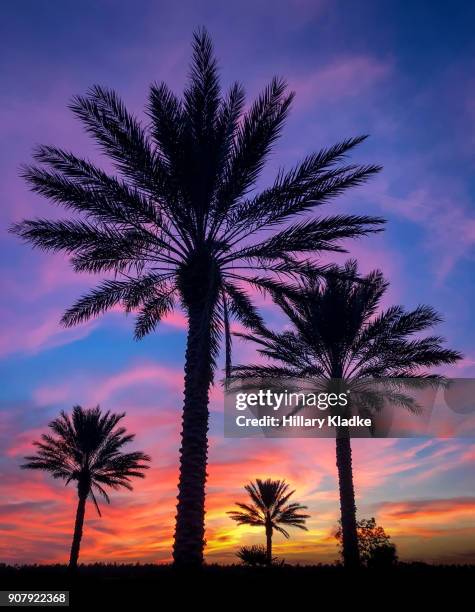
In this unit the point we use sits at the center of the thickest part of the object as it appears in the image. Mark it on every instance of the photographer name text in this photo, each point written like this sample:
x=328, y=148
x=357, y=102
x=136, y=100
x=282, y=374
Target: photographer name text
x=300, y=421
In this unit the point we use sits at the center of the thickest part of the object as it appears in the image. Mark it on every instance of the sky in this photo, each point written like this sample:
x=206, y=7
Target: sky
x=401, y=72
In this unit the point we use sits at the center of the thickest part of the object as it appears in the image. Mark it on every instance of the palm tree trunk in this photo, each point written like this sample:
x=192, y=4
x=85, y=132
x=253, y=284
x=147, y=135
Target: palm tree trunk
x=351, y=557
x=189, y=532
x=227, y=343
x=78, y=526
x=269, y=544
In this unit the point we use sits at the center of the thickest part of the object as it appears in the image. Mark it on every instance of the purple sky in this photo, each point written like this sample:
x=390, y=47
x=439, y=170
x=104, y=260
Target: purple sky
x=401, y=72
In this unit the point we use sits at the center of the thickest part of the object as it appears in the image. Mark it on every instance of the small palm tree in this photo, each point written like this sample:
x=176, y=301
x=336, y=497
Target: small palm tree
x=337, y=334
x=181, y=224
x=87, y=450
x=270, y=510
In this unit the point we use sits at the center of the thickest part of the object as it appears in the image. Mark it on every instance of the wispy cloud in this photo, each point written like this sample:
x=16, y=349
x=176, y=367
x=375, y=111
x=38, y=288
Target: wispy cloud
x=345, y=78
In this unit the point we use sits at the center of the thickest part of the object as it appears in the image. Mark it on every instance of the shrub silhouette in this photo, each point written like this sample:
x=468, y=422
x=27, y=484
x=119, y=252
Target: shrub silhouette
x=374, y=544
x=255, y=556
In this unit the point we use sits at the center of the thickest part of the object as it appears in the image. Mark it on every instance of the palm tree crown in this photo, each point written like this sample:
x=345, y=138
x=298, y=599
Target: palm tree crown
x=269, y=507
x=338, y=333
x=87, y=450
x=179, y=222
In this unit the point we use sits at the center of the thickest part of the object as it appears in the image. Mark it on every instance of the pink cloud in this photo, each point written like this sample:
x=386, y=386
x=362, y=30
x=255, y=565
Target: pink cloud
x=445, y=217
x=148, y=373
x=34, y=332
x=56, y=273
x=176, y=319
x=50, y=394
x=90, y=389
x=346, y=77
x=22, y=443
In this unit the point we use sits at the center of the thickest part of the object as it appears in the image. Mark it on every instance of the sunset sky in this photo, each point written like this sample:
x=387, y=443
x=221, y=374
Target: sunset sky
x=401, y=72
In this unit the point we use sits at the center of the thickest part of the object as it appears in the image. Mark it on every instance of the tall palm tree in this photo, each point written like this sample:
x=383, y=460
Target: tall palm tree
x=86, y=449
x=337, y=335
x=269, y=509
x=182, y=224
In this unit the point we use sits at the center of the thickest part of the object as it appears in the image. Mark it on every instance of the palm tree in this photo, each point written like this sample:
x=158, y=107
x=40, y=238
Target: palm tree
x=269, y=509
x=182, y=224
x=87, y=450
x=337, y=335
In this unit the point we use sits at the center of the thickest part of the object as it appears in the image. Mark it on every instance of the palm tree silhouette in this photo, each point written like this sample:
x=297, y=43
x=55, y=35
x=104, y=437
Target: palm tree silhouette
x=269, y=509
x=181, y=224
x=337, y=334
x=87, y=449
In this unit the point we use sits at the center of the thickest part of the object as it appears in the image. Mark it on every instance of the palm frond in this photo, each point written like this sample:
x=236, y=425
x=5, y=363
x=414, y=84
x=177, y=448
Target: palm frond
x=260, y=128
x=130, y=293
x=337, y=332
x=152, y=312
x=120, y=135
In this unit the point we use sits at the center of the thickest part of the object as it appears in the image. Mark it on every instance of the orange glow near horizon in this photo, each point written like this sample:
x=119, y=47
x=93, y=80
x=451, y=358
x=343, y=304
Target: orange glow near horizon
x=37, y=514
